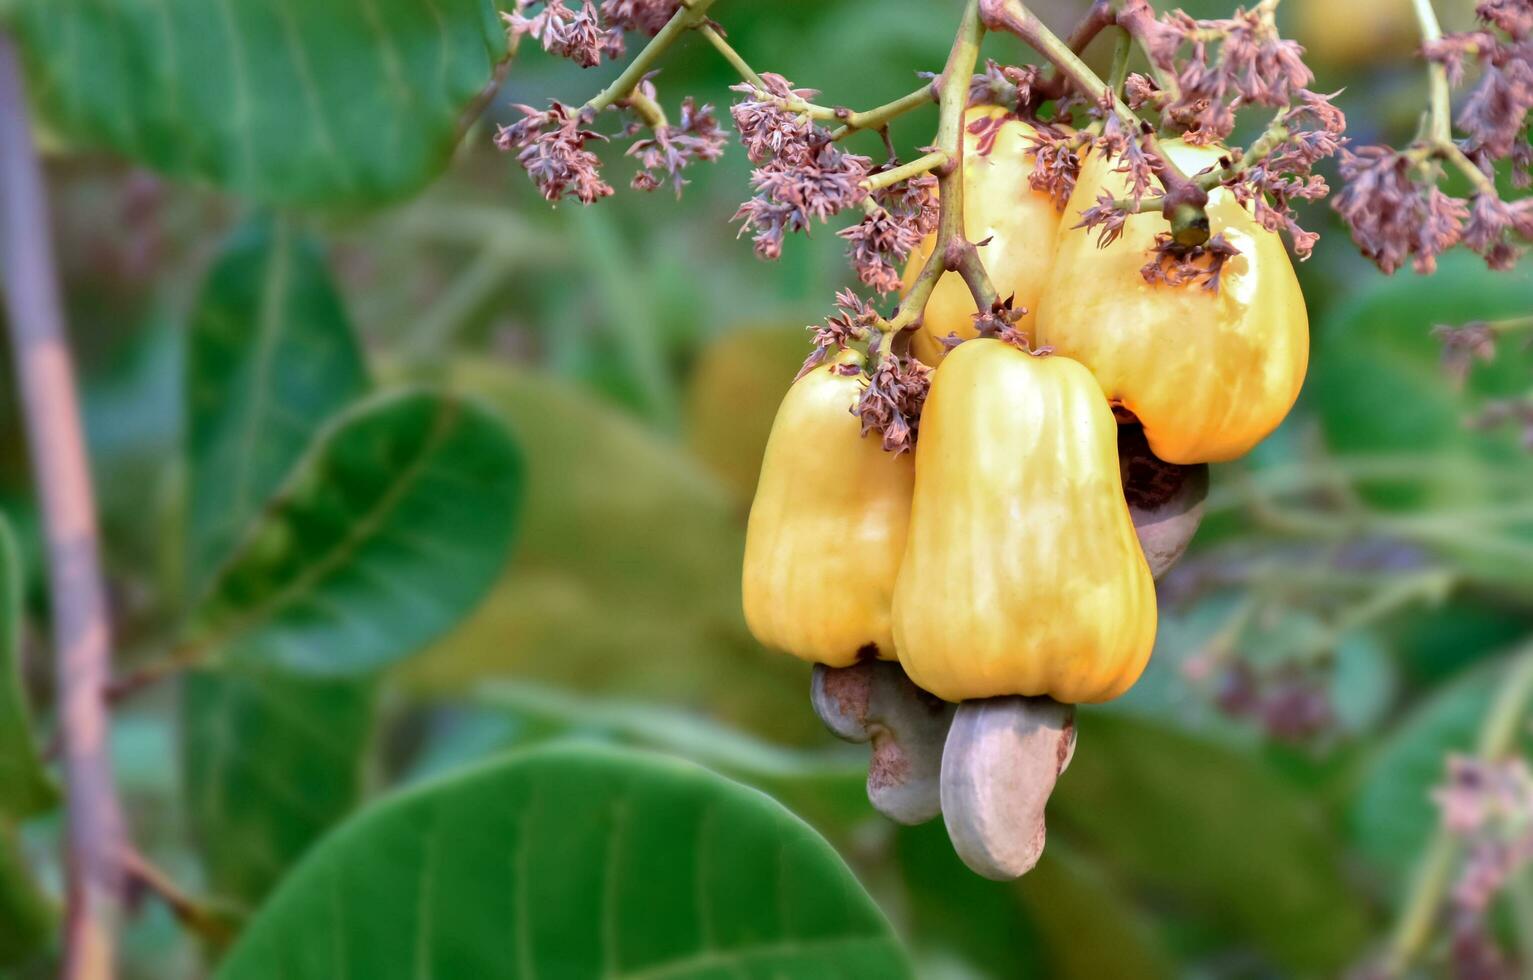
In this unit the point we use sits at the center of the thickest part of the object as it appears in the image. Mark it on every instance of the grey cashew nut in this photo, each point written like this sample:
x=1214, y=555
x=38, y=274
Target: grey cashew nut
x=1165, y=500
x=999, y=766
x=875, y=702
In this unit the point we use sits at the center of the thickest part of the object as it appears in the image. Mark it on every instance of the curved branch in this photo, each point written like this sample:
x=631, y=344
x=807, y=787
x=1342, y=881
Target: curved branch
x=81, y=631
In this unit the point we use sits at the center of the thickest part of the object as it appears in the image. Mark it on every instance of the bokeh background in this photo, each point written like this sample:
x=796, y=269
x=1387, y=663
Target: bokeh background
x=1255, y=807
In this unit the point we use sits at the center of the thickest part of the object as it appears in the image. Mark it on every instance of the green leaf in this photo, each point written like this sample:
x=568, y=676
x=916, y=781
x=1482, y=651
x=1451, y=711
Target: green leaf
x=25, y=786
x=271, y=357
x=571, y=862
x=389, y=530
x=1392, y=815
x=627, y=577
x=1194, y=819
x=269, y=764
x=1385, y=401
x=340, y=102
x=26, y=916
x=827, y=788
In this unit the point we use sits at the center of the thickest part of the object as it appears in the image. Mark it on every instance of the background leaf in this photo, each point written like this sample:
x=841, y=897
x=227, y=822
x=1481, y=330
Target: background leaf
x=1384, y=399
x=627, y=575
x=1216, y=829
x=339, y=102
x=1392, y=815
x=740, y=378
x=271, y=356
x=25, y=786
x=26, y=916
x=269, y=763
x=614, y=863
x=388, y=531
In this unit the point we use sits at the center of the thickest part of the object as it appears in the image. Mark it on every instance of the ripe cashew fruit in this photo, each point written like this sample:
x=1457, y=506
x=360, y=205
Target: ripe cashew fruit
x=1017, y=224
x=827, y=526
x=1022, y=572
x=1208, y=373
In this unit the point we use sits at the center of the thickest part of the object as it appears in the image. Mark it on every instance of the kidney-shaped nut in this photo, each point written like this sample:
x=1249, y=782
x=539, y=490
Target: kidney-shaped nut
x=875, y=702
x=1165, y=500
x=999, y=766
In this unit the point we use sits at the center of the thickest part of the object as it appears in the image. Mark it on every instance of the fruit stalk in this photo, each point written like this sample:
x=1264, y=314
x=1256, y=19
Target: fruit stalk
x=954, y=252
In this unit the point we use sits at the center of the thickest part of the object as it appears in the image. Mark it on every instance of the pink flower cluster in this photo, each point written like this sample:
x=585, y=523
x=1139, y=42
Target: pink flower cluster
x=1392, y=200
x=584, y=34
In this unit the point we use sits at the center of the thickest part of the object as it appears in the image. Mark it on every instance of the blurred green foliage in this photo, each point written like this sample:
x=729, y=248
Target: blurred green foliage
x=609, y=375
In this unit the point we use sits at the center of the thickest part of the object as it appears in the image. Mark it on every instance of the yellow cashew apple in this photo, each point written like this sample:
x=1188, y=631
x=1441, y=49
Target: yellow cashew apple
x=1022, y=572
x=1208, y=373
x=998, y=205
x=827, y=526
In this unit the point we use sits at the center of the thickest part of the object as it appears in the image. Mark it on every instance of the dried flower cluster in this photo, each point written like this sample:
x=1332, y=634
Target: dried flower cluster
x=1489, y=805
x=670, y=149
x=1207, y=72
x=584, y=34
x=1290, y=702
x=897, y=218
x=551, y=146
x=854, y=319
x=891, y=403
x=1392, y=201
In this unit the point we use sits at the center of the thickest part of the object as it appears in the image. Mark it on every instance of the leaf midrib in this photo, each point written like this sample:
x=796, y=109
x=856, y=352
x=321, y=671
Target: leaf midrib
x=362, y=531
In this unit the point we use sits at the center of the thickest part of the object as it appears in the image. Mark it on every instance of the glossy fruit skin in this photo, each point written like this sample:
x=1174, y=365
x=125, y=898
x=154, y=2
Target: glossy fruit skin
x=1020, y=223
x=1209, y=374
x=1022, y=573
x=827, y=528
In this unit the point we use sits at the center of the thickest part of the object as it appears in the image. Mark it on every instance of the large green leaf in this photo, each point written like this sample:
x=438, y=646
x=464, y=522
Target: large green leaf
x=25, y=786
x=390, y=529
x=1062, y=920
x=271, y=357
x=627, y=577
x=1392, y=816
x=26, y=917
x=333, y=102
x=571, y=862
x=270, y=762
x=1216, y=828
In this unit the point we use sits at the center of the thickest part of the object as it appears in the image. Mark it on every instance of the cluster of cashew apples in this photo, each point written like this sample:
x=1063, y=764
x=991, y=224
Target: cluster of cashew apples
x=1009, y=563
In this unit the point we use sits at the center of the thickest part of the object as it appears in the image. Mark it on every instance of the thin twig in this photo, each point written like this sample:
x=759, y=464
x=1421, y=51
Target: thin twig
x=920, y=165
x=852, y=121
x=195, y=915
x=81, y=630
x=1441, y=122
x=687, y=16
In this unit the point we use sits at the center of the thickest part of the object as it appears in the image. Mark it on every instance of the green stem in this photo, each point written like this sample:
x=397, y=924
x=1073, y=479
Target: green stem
x=688, y=16
x=1498, y=739
x=879, y=116
x=732, y=56
x=647, y=109
x=951, y=249
x=1120, y=53
x=1441, y=124
x=920, y=165
x=851, y=121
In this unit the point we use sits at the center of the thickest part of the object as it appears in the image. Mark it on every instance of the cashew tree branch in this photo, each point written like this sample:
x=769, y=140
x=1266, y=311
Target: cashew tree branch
x=81, y=629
